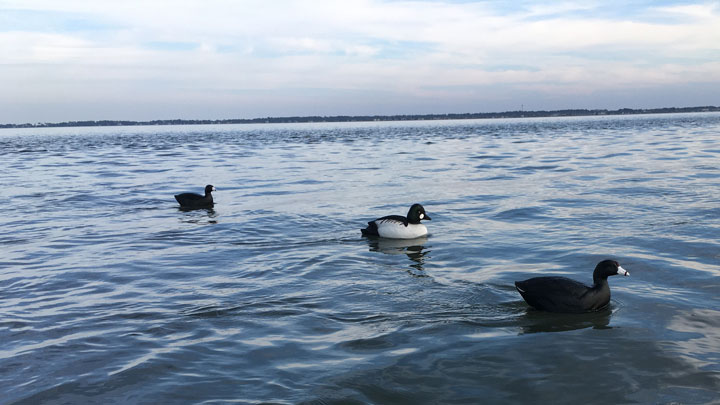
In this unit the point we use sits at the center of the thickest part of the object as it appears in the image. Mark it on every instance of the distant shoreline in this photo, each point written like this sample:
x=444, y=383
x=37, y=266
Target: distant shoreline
x=366, y=118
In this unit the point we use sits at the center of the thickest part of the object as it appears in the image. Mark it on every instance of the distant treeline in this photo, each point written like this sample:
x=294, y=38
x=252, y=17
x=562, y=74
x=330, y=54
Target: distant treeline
x=359, y=118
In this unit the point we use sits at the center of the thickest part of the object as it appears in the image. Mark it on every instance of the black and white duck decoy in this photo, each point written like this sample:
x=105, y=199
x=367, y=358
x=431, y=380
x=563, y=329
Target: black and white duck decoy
x=399, y=227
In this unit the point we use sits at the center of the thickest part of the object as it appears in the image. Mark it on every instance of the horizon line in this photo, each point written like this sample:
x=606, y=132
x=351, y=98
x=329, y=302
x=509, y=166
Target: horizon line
x=371, y=118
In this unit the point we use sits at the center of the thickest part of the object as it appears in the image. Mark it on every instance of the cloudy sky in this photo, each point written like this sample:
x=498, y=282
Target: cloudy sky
x=213, y=59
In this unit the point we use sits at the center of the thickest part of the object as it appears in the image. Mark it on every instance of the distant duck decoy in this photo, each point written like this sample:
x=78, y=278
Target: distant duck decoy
x=192, y=200
x=561, y=294
x=399, y=227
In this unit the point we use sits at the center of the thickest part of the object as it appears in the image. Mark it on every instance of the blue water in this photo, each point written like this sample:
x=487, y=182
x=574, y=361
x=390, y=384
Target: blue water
x=111, y=294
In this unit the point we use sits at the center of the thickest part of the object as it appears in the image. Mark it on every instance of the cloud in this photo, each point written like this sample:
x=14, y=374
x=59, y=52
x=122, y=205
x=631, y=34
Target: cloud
x=430, y=53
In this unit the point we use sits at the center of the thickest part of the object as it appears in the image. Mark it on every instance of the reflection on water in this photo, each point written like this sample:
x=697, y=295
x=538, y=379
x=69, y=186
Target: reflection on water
x=414, y=249
x=698, y=338
x=198, y=215
x=110, y=293
x=534, y=321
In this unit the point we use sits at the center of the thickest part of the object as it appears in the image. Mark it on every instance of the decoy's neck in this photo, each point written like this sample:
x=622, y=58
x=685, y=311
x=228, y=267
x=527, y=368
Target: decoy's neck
x=599, y=282
x=600, y=275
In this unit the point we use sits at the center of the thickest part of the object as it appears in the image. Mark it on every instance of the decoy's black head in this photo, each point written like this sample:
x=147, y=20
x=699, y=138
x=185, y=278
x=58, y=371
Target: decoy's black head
x=607, y=268
x=417, y=214
x=209, y=188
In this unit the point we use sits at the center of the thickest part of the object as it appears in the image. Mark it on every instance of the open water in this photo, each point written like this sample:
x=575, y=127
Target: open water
x=111, y=294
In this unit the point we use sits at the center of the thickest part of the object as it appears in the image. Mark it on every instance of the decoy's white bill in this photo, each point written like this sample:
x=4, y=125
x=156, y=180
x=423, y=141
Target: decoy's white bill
x=622, y=271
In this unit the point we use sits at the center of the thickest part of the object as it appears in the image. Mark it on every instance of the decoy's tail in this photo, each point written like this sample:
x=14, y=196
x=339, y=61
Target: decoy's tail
x=371, y=230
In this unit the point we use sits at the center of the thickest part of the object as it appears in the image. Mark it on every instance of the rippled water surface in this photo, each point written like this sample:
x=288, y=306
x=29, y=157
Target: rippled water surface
x=111, y=294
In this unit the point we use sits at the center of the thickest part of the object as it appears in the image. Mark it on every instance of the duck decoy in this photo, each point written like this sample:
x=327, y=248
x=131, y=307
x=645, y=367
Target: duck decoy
x=399, y=227
x=561, y=294
x=193, y=200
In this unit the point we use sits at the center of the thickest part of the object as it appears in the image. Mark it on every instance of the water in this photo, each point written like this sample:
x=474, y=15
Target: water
x=111, y=294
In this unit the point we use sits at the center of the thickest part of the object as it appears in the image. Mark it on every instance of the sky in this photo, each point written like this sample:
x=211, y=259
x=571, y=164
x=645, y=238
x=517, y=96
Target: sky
x=74, y=60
